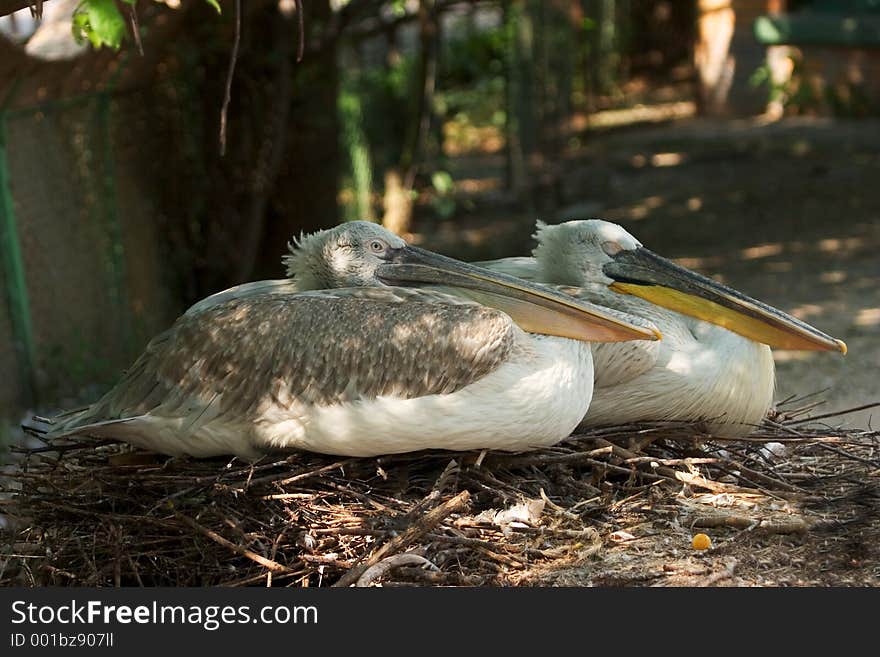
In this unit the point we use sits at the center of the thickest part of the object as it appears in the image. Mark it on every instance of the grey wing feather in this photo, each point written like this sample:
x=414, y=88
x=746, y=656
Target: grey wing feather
x=274, y=286
x=521, y=267
x=250, y=355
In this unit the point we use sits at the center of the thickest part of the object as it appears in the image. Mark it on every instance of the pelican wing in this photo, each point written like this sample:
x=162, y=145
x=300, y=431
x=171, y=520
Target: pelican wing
x=262, y=354
x=275, y=286
x=521, y=267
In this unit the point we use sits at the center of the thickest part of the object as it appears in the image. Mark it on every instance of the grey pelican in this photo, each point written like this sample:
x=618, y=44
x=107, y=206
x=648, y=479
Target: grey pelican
x=475, y=360
x=714, y=363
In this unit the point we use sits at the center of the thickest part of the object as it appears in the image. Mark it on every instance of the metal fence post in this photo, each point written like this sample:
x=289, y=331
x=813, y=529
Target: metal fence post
x=16, y=283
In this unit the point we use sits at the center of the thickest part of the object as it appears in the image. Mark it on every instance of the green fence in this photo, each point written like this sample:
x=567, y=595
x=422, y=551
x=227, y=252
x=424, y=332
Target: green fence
x=82, y=276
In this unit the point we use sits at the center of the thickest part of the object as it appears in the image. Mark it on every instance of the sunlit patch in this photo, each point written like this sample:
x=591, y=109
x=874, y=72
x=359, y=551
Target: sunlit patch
x=868, y=317
x=694, y=203
x=667, y=159
x=474, y=236
x=833, y=244
x=807, y=310
x=835, y=276
x=700, y=263
x=790, y=356
x=654, y=113
x=478, y=185
x=761, y=251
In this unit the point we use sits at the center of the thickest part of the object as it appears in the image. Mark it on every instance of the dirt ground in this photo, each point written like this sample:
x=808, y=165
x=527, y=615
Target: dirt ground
x=789, y=213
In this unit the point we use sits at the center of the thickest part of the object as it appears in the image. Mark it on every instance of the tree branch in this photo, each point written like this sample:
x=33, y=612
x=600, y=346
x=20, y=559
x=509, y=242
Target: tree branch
x=11, y=6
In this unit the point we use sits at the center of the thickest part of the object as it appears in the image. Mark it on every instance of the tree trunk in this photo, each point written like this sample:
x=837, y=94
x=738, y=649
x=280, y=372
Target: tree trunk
x=400, y=181
x=304, y=198
x=520, y=127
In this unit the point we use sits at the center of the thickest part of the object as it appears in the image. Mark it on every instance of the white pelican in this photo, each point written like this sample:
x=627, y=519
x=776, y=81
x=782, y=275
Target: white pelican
x=364, y=371
x=713, y=364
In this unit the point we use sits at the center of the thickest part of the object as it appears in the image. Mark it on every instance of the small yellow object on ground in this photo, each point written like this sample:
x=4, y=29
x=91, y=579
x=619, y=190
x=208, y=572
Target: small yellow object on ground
x=701, y=542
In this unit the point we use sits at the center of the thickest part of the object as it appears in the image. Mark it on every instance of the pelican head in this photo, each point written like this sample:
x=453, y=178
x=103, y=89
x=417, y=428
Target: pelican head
x=347, y=255
x=575, y=252
x=599, y=252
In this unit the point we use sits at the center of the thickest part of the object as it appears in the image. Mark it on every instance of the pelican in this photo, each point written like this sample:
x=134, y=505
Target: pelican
x=714, y=363
x=468, y=359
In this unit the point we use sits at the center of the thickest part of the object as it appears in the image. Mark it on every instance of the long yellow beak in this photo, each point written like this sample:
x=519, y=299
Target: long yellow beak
x=645, y=274
x=535, y=308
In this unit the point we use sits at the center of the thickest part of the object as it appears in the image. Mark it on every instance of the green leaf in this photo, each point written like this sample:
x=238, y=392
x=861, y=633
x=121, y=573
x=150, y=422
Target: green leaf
x=398, y=8
x=100, y=22
x=442, y=182
x=214, y=3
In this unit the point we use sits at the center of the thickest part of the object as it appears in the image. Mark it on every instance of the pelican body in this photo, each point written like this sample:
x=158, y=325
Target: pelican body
x=468, y=359
x=714, y=362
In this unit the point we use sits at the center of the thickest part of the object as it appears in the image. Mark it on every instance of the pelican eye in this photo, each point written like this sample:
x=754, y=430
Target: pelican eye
x=612, y=248
x=377, y=246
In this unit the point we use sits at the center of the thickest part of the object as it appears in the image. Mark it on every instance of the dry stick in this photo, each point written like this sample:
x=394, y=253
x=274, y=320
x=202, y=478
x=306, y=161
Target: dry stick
x=835, y=414
x=300, y=49
x=232, y=61
x=452, y=468
x=795, y=525
x=36, y=7
x=430, y=520
x=547, y=459
x=760, y=477
x=253, y=579
x=676, y=475
x=273, y=566
x=378, y=570
x=281, y=480
x=135, y=28
x=848, y=455
x=714, y=578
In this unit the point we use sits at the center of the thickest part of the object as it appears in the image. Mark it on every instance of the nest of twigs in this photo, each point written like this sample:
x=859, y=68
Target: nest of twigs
x=100, y=514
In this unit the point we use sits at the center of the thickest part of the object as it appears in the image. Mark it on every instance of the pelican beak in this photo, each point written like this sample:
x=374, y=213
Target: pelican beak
x=645, y=274
x=534, y=308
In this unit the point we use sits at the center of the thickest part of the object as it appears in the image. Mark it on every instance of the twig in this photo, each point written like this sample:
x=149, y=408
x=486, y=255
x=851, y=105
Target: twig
x=378, y=570
x=835, y=413
x=135, y=28
x=233, y=59
x=273, y=566
x=794, y=525
x=300, y=19
x=430, y=520
x=714, y=578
